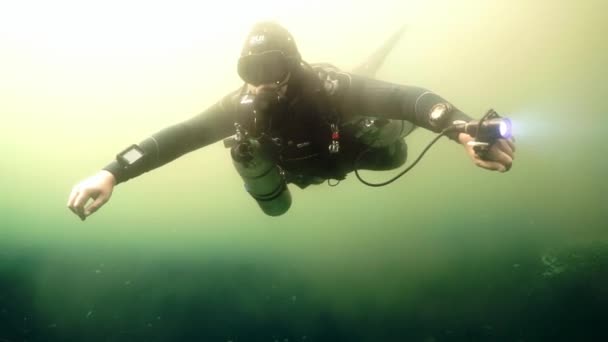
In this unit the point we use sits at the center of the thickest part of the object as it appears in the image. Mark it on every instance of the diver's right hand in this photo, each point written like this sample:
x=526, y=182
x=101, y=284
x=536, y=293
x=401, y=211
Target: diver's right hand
x=97, y=187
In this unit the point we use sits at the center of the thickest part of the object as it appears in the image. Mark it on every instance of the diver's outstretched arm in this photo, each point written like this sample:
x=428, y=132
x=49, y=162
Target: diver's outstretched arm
x=214, y=124
x=370, y=97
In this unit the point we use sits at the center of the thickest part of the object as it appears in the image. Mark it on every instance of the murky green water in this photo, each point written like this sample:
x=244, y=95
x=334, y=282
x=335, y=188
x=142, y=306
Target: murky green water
x=449, y=252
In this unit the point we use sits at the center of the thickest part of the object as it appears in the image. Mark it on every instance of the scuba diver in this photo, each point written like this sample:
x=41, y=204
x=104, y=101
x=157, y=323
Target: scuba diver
x=297, y=123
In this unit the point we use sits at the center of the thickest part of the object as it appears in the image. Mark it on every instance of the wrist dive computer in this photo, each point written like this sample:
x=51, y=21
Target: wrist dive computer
x=131, y=156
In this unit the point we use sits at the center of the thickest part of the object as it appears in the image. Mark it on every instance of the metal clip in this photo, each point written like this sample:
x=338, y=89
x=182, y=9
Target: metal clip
x=367, y=122
x=480, y=148
x=237, y=138
x=334, y=147
x=303, y=144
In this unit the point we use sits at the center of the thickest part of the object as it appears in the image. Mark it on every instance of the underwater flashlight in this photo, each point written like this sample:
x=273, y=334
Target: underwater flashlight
x=486, y=131
x=505, y=128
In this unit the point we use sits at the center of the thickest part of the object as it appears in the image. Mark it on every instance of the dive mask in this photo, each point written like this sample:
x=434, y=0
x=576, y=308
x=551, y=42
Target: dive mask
x=264, y=68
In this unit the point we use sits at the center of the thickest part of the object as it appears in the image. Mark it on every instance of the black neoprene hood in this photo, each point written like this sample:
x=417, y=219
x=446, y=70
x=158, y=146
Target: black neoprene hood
x=270, y=36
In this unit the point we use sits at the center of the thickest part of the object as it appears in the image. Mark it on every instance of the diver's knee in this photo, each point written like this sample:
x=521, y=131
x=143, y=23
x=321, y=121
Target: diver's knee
x=385, y=158
x=398, y=157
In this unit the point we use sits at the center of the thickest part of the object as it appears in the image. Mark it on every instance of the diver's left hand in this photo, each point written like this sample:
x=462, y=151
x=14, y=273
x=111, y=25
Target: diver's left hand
x=499, y=157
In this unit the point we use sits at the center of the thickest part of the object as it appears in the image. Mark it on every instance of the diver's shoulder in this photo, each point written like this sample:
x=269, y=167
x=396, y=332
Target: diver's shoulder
x=324, y=66
x=334, y=79
x=230, y=101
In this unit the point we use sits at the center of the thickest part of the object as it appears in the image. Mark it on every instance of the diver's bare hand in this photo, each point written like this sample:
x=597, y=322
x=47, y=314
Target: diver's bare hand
x=97, y=187
x=498, y=158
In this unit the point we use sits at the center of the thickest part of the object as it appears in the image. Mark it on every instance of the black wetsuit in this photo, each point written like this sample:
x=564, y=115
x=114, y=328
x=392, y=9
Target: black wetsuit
x=318, y=97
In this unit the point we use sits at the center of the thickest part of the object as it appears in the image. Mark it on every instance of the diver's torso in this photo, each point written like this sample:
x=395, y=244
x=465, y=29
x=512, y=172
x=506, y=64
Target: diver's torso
x=303, y=134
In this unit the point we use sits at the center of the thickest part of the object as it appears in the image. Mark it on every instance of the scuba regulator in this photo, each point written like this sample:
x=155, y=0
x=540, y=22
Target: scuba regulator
x=485, y=131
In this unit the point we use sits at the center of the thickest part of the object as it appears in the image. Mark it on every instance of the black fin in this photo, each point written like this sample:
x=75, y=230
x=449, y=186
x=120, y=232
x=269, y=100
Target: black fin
x=375, y=61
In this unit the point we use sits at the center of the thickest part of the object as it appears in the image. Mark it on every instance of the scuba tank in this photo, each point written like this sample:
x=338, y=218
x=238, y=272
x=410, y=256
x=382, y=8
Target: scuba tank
x=254, y=156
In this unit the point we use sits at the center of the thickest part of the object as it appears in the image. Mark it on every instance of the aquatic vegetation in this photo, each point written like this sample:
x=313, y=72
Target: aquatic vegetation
x=554, y=267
